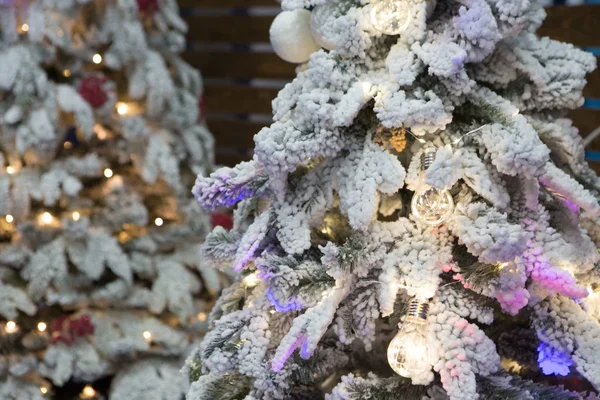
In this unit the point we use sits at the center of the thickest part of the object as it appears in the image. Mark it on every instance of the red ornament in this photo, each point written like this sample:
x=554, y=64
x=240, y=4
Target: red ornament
x=221, y=219
x=148, y=7
x=67, y=329
x=92, y=90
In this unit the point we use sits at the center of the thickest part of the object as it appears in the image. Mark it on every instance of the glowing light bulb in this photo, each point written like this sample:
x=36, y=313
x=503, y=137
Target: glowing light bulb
x=11, y=327
x=46, y=218
x=97, y=58
x=67, y=145
x=9, y=218
x=147, y=335
x=202, y=316
x=100, y=132
x=391, y=17
x=88, y=392
x=122, y=108
x=43, y=389
x=158, y=222
x=409, y=353
x=76, y=215
x=24, y=27
x=108, y=172
x=41, y=326
x=10, y=170
x=66, y=73
x=431, y=205
x=251, y=280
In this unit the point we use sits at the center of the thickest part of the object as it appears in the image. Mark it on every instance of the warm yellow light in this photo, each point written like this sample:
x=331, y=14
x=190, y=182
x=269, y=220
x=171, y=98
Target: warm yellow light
x=108, y=172
x=97, y=58
x=47, y=218
x=9, y=218
x=159, y=222
x=122, y=108
x=67, y=145
x=43, y=389
x=202, y=316
x=66, y=73
x=10, y=170
x=76, y=215
x=100, y=132
x=88, y=392
x=41, y=326
x=11, y=327
x=251, y=280
x=147, y=335
x=24, y=27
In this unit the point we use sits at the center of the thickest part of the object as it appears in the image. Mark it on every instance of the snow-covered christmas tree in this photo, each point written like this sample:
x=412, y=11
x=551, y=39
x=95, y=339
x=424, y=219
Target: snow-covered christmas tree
x=423, y=222
x=100, y=142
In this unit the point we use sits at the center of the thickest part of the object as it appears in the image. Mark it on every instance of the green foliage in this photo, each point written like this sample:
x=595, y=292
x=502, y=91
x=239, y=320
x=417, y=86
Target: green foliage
x=221, y=244
x=484, y=112
x=478, y=275
x=351, y=253
x=195, y=369
x=224, y=387
x=375, y=388
x=505, y=387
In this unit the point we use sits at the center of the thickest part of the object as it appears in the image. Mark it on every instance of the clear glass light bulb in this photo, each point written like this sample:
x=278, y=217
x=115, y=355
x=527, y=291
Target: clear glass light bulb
x=391, y=17
x=409, y=353
x=432, y=205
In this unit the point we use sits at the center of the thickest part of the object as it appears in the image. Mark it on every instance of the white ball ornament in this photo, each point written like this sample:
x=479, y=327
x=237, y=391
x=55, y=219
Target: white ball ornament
x=321, y=22
x=291, y=37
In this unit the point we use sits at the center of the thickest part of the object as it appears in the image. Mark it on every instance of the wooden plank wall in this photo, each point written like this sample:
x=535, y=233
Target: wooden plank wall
x=229, y=42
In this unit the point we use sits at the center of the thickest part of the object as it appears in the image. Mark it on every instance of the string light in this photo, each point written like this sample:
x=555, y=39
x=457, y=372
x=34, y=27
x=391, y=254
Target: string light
x=10, y=170
x=66, y=73
x=97, y=58
x=24, y=27
x=88, y=392
x=251, y=280
x=409, y=353
x=41, y=326
x=11, y=327
x=76, y=215
x=108, y=172
x=122, y=108
x=147, y=335
x=43, y=389
x=67, y=145
x=9, y=218
x=202, y=316
x=159, y=222
x=391, y=17
x=100, y=132
x=46, y=218
x=431, y=205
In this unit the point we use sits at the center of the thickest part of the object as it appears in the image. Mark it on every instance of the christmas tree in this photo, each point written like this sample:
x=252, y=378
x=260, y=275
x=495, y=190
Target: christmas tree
x=423, y=224
x=101, y=139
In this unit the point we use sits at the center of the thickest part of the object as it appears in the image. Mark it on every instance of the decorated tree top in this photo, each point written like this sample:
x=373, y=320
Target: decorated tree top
x=419, y=180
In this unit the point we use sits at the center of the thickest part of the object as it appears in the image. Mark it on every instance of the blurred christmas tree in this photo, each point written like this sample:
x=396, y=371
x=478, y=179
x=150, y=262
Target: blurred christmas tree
x=424, y=225
x=100, y=138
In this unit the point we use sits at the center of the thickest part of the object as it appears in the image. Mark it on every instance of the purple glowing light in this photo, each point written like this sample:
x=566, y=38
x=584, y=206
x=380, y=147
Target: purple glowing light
x=277, y=364
x=291, y=305
x=552, y=361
